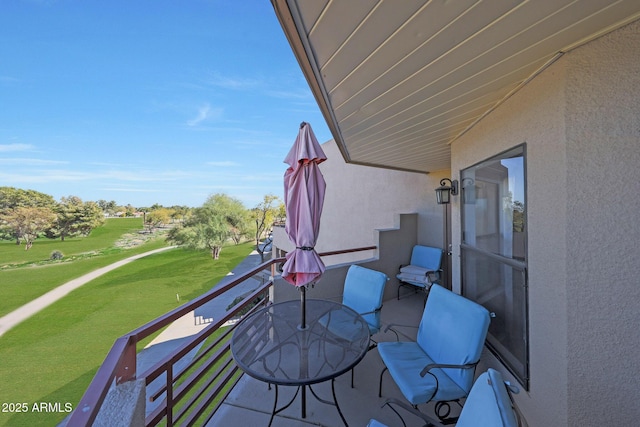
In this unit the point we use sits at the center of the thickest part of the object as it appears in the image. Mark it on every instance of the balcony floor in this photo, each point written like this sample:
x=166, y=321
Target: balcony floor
x=250, y=402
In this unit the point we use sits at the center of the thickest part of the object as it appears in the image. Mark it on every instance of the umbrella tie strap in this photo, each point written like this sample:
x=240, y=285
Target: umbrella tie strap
x=305, y=248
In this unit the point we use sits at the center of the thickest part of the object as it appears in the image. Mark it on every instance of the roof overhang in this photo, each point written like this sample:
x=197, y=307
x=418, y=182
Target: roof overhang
x=398, y=81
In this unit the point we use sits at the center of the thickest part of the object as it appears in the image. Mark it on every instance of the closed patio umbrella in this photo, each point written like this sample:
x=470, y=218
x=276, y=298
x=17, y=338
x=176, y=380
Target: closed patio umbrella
x=304, y=188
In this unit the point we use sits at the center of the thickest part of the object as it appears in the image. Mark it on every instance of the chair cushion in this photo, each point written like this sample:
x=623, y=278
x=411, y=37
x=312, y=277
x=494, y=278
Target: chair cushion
x=480, y=409
x=488, y=404
x=363, y=292
x=426, y=256
x=414, y=275
x=414, y=270
x=502, y=398
x=452, y=331
x=405, y=360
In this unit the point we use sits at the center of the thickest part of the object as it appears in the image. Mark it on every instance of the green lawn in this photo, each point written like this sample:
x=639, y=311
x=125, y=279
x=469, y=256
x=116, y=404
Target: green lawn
x=101, y=238
x=18, y=286
x=53, y=356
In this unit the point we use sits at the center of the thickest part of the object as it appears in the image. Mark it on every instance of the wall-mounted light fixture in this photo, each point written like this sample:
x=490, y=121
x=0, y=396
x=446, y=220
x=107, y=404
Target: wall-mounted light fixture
x=444, y=193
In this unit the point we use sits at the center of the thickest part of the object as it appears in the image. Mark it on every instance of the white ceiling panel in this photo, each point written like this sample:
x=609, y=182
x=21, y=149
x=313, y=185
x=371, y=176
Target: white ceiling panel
x=336, y=24
x=399, y=80
x=375, y=30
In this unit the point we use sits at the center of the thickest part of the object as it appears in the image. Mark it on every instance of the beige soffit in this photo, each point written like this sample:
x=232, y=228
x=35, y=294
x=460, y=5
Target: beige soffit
x=399, y=80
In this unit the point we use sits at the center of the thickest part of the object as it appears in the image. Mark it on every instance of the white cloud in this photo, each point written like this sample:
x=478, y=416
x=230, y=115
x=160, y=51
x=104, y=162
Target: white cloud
x=223, y=164
x=263, y=177
x=133, y=190
x=205, y=113
x=145, y=175
x=235, y=83
x=4, y=148
x=65, y=175
x=44, y=177
x=301, y=94
x=8, y=80
x=31, y=162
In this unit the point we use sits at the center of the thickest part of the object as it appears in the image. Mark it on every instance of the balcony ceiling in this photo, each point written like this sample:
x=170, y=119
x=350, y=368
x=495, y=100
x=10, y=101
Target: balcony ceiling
x=399, y=80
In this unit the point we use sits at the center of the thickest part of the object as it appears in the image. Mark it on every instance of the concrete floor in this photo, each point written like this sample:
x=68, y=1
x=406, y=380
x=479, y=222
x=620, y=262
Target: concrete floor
x=250, y=402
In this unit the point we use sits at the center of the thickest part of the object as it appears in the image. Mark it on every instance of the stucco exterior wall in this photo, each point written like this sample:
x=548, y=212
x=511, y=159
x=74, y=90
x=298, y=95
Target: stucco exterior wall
x=603, y=162
x=360, y=200
x=394, y=248
x=580, y=119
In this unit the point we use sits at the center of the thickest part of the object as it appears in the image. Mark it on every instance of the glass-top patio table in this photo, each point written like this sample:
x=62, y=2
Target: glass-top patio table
x=273, y=347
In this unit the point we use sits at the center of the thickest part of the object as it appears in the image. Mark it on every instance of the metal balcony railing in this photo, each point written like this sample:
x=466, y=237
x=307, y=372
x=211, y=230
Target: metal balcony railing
x=194, y=391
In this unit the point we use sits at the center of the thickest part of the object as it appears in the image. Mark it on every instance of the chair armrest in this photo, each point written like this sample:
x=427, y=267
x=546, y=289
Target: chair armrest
x=377, y=310
x=431, y=366
x=436, y=273
x=390, y=327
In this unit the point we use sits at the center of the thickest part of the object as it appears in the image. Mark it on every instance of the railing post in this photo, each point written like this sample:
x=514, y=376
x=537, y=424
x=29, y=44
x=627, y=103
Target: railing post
x=170, y=395
x=126, y=370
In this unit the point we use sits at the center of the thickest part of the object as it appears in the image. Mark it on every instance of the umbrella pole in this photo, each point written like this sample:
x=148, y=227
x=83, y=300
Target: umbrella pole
x=303, y=307
x=304, y=366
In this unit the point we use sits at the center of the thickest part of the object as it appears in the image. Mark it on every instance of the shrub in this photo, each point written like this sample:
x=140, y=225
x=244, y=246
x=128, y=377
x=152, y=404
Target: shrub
x=245, y=310
x=55, y=255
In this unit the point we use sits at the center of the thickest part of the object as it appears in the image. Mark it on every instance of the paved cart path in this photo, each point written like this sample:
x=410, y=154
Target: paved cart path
x=8, y=321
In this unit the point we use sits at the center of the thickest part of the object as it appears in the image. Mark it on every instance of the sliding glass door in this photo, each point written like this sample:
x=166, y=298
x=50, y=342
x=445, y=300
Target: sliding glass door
x=494, y=255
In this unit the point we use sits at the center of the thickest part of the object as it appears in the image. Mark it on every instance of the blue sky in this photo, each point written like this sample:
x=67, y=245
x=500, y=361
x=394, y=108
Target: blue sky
x=148, y=101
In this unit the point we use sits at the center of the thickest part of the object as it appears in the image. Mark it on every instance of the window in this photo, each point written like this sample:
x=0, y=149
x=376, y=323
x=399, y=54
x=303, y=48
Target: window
x=494, y=253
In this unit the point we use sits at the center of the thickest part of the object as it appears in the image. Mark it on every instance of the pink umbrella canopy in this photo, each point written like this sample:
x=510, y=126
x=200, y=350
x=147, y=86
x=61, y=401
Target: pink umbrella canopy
x=304, y=189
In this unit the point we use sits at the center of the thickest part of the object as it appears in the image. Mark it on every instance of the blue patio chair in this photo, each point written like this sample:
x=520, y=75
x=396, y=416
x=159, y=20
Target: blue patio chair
x=363, y=292
x=439, y=366
x=489, y=404
x=423, y=269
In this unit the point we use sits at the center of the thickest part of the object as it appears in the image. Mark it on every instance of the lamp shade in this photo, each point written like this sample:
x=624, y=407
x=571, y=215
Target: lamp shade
x=443, y=195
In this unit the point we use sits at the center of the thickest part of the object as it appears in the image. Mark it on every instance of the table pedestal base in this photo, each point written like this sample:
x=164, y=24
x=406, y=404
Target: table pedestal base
x=303, y=401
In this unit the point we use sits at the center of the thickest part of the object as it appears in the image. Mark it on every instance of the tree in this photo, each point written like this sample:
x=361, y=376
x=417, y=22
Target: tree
x=109, y=208
x=180, y=213
x=68, y=210
x=12, y=198
x=264, y=215
x=91, y=218
x=235, y=214
x=157, y=218
x=518, y=216
x=281, y=216
x=28, y=223
x=202, y=231
x=129, y=210
x=209, y=226
x=75, y=217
